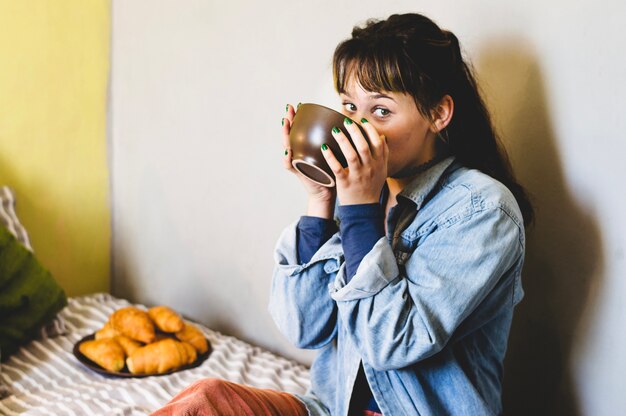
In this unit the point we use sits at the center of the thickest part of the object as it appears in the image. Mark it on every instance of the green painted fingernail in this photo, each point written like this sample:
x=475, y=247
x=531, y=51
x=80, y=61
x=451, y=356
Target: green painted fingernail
x=336, y=130
x=286, y=152
x=282, y=121
x=364, y=121
x=287, y=108
x=324, y=147
x=347, y=121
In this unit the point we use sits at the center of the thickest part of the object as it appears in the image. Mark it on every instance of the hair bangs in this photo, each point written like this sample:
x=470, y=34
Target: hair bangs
x=374, y=67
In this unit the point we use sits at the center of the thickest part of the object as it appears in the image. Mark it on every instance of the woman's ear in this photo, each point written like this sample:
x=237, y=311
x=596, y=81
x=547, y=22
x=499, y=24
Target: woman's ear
x=442, y=114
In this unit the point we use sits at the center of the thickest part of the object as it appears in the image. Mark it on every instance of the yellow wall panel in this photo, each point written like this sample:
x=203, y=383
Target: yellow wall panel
x=54, y=66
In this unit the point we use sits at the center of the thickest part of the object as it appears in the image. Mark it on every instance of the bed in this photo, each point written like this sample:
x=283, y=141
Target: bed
x=45, y=378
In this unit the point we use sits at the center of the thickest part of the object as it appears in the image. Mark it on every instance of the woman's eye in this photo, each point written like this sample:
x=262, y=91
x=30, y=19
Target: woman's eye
x=350, y=107
x=381, y=112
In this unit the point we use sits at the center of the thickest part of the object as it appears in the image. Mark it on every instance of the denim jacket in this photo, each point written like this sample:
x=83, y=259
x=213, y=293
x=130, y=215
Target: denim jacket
x=429, y=309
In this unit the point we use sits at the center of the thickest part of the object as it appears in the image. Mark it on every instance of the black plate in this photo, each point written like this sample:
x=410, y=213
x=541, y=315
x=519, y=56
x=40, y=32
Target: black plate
x=125, y=373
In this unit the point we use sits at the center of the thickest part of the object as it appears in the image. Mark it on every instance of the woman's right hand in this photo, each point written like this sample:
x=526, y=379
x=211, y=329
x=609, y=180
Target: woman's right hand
x=321, y=201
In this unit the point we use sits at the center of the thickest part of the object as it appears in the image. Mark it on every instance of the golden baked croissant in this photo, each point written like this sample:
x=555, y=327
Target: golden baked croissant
x=191, y=352
x=134, y=323
x=192, y=335
x=107, y=353
x=128, y=345
x=166, y=319
x=107, y=331
x=159, y=357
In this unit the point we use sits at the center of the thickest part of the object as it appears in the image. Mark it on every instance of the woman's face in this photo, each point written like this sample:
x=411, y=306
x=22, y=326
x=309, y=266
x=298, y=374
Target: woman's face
x=409, y=135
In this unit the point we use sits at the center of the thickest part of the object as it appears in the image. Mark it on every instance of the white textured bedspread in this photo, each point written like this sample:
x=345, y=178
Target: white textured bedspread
x=45, y=378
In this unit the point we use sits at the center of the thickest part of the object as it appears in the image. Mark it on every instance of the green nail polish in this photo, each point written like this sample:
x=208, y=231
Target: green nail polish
x=299, y=104
x=347, y=121
x=324, y=147
x=336, y=130
x=364, y=121
x=286, y=152
x=287, y=108
x=282, y=121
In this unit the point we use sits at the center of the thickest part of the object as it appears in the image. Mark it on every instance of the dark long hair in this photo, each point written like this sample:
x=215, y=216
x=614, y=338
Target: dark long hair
x=409, y=53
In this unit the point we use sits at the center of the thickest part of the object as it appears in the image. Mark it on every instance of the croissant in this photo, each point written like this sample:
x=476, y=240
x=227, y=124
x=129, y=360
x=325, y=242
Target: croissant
x=107, y=353
x=128, y=345
x=134, y=323
x=193, y=336
x=107, y=331
x=162, y=335
x=166, y=319
x=191, y=352
x=159, y=357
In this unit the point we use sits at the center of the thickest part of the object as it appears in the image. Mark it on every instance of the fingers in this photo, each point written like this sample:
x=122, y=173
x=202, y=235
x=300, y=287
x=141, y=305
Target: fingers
x=290, y=112
x=360, y=144
x=349, y=152
x=377, y=143
x=365, y=151
x=286, y=128
x=287, y=161
x=332, y=161
x=287, y=121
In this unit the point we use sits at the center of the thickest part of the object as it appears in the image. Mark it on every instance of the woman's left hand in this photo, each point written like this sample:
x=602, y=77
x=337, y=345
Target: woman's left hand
x=362, y=180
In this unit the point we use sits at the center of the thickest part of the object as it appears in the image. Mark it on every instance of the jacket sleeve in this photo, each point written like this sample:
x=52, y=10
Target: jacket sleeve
x=399, y=316
x=300, y=301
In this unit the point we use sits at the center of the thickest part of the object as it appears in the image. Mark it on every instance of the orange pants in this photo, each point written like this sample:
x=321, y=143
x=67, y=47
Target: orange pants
x=215, y=397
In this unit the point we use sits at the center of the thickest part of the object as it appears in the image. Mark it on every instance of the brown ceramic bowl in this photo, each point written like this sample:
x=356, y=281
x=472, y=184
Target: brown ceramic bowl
x=311, y=128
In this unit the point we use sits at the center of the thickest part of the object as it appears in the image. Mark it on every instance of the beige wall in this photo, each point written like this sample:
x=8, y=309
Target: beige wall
x=54, y=68
x=199, y=194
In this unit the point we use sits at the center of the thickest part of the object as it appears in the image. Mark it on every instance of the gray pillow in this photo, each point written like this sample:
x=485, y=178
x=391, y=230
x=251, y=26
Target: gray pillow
x=8, y=218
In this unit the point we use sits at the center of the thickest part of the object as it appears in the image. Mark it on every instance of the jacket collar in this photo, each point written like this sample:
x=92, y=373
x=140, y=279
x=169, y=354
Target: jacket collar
x=424, y=183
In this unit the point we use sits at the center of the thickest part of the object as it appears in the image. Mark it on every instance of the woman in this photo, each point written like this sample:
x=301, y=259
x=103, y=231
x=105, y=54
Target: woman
x=409, y=300
x=424, y=270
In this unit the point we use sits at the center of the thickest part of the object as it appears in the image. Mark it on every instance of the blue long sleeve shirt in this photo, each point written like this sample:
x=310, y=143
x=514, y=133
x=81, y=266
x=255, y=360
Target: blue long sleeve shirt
x=361, y=226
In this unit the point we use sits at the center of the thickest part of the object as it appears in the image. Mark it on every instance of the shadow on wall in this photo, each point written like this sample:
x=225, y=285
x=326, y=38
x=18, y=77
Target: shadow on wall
x=564, y=256
x=156, y=263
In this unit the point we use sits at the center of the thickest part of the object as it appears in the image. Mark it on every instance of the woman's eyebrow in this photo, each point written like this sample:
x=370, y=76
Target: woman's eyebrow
x=379, y=95
x=373, y=96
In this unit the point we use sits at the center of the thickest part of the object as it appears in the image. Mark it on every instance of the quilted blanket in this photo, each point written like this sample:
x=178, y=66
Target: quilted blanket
x=44, y=377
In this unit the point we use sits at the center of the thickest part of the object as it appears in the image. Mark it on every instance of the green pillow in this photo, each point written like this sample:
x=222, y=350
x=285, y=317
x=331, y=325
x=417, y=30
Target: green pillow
x=29, y=295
